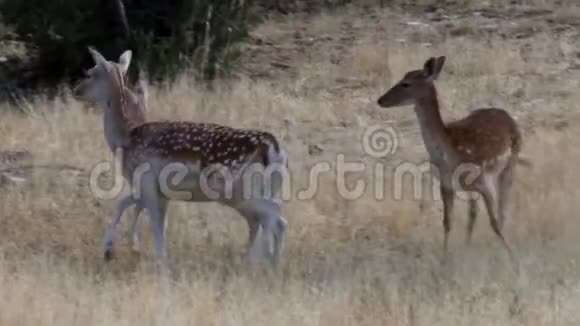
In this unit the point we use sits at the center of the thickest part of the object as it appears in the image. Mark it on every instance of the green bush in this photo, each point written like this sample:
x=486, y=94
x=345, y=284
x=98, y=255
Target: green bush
x=166, y=36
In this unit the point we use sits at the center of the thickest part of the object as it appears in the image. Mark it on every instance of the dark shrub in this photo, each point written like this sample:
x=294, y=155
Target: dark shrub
x=166, y=36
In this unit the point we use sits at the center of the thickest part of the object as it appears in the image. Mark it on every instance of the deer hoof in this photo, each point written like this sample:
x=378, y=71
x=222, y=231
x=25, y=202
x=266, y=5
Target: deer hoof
x=108, y=254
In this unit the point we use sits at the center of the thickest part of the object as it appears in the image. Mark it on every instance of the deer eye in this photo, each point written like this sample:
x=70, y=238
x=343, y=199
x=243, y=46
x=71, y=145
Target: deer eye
x=405, y=85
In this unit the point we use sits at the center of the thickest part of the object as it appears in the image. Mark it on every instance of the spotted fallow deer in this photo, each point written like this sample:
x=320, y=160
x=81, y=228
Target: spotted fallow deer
x=200, y=162
x=136, y=110
x=475, y=154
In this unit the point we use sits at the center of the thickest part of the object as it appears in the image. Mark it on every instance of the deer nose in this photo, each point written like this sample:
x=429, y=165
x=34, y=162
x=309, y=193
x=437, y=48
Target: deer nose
x=380, y=101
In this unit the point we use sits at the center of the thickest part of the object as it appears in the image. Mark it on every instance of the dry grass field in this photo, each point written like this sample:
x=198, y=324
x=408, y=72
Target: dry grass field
x=313, y=81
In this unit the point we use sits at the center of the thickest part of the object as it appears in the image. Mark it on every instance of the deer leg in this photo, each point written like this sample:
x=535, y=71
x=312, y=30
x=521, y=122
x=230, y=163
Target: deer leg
x=254, y=250
x=448, y=197
x=271, y=224
x=156, y=205
x=274, y=226
x=489, y=193
x=505, y=185
x=473, y=210
x=120, y=208
x=253, y=227
x=157, y=208
x=279, y=239
x=134, y=234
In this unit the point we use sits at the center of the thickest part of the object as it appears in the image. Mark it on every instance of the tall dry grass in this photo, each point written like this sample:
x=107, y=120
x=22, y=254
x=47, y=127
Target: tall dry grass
x=348, y=262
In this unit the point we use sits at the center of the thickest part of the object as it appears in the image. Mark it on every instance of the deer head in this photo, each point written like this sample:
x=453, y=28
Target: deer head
x=95, y=87
x=414, y=86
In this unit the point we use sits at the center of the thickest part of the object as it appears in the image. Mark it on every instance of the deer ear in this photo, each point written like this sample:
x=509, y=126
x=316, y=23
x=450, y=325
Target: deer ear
x=125, y=61
x=439, y=64
x=99, y=59
x=429, y=66
x=433, y=67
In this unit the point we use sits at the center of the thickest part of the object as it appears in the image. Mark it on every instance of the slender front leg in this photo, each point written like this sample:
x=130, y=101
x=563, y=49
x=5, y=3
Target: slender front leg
x=111, y=230
x=473, y=210
x=505, y=185
x=448, y=197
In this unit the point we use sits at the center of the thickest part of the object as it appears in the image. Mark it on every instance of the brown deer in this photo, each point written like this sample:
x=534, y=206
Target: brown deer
x=200, y=162
x=483, y=147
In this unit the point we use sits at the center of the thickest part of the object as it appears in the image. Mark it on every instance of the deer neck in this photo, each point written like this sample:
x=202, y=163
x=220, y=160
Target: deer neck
x=117, y=123
x=135, y=108
x=433, y=130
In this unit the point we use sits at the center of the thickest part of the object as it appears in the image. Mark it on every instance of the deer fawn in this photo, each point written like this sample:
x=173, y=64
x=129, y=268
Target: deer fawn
x=486, y=144
x=210, y=163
